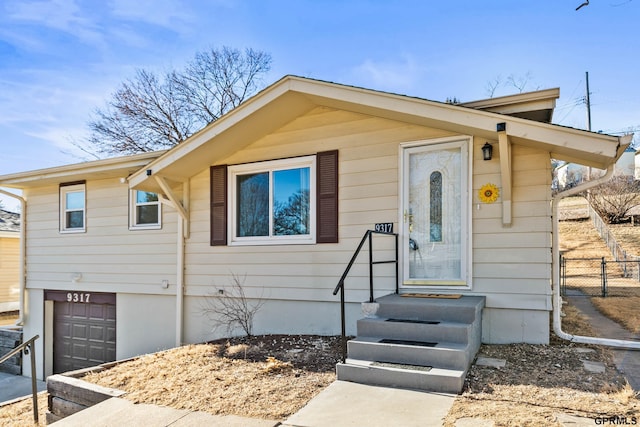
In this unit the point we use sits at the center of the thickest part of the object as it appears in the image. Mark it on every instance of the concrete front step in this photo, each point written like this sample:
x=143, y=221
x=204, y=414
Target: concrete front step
x=415, y=343
x=445, y=355
x=399, y=329
x=465, y=309
x=402, y=376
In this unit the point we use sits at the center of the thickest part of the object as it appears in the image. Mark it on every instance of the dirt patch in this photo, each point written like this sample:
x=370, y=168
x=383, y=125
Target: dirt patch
x=580, y=239
x=628, y=236
x=21, y=413
x=623, y=310
x=269, y=377
x=540, y=381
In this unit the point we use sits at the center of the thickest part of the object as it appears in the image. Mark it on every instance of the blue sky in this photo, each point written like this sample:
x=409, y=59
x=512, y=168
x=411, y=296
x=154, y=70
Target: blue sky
x=61, y=59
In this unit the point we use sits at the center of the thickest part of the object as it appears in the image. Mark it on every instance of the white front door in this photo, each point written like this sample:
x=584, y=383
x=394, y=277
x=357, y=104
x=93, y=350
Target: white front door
x=435, y=214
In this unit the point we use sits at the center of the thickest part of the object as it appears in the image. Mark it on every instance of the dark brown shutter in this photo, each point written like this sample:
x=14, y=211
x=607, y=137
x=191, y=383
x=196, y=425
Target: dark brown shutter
x=218, y=205
x=327, y=199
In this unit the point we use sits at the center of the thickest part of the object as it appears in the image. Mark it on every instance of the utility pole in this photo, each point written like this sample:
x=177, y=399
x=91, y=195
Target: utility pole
x=588, y=102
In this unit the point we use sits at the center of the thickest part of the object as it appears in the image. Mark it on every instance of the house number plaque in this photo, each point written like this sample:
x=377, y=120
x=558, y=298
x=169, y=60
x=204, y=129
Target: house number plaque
x=384, y=227
x=78, y=297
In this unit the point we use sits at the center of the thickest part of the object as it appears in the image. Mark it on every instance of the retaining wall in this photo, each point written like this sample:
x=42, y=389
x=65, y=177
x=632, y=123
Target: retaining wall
x=68, y=394
x=10, y=338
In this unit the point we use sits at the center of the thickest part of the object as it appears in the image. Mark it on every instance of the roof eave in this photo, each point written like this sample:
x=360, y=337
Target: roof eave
x=114, y=167
x=293, y=96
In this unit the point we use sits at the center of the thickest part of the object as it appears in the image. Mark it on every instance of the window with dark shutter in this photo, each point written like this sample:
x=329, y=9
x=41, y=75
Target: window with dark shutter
x=327, y=197
x=218, y=205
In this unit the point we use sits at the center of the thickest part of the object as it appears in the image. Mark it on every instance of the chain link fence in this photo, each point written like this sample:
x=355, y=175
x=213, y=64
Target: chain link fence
x=599, y=277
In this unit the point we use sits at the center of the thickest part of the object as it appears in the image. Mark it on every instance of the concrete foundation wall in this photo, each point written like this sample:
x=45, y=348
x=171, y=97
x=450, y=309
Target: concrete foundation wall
x=274, y=317
x=504, y=326
x=144, y=324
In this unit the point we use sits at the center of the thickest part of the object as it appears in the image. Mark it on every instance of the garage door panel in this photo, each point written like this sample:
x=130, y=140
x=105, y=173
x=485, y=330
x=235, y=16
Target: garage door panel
x=84, y=335
x=98, y=312
x=79, y=310
x=63, y=329
x=79, y=331
x=111, y=335
x=111, y=312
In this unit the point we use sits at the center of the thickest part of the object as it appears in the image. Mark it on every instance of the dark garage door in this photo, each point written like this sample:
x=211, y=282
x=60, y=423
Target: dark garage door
x=84, y=333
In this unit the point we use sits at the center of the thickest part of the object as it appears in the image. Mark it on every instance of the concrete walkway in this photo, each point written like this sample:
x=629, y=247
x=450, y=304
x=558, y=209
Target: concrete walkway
x=340, y=404
x=116, y=412
x=16, y=386
x=349, y=404
x=627, y=361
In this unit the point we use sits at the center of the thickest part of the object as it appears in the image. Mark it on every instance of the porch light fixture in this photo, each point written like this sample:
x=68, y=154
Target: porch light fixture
x=487, y=151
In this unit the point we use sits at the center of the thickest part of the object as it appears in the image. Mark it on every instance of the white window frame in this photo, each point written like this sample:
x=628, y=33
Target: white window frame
x=133, y=210
x=271, y=166
x=64, y=190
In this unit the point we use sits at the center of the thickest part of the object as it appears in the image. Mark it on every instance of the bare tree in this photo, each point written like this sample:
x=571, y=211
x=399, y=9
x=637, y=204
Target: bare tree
x=217, y=81
x=151, y=112
x=230, y=307
x=144, y=114
x=493, y=85
x=614, y=199
x=520, y=83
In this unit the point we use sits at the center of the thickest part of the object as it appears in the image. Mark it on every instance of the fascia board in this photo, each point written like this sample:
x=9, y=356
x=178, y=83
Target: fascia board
x=597, y=148
x=107, y=168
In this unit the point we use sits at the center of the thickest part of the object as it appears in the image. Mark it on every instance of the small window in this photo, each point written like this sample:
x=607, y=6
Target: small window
x=435, y=207
x=72, y=208
x=146, y=211
x=273, y=202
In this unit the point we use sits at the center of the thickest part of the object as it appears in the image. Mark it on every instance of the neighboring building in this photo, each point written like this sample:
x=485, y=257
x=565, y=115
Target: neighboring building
x=626, y=164
x=572, y=174
x=637, y=165
x=279, y=192
x=9, y=260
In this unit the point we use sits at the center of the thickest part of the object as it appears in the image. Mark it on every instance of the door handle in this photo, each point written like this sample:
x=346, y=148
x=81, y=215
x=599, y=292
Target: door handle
x=408, y=218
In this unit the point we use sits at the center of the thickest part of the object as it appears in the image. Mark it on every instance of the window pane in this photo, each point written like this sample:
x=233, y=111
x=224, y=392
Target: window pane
x=74, y=200
x=435, y=207
x=75, y=219
x=146, y=197
x=147, y=214
x=291, y=206
x=253, y=205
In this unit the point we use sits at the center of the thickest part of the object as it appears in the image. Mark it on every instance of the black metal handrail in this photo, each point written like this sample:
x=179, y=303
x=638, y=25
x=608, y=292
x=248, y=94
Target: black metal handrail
x=340, y=285
x=28, y=348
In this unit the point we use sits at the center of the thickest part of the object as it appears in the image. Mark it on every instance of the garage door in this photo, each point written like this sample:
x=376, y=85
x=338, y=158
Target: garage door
x=84, y=330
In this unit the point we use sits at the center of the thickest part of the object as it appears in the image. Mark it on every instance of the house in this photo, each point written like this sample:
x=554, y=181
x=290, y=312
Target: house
x=626, y=164
x=572, y=174
x=123, y=253
x=636, y=163
x=9, y=260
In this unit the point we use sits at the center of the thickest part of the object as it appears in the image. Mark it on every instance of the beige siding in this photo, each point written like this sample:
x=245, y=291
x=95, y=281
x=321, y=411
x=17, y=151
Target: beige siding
x=511, y=265
x=368, y=191
x=9, y=269
x=110, y=257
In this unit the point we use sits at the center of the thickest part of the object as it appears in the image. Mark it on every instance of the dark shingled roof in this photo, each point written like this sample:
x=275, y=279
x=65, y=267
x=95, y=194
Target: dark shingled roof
x=9, y=221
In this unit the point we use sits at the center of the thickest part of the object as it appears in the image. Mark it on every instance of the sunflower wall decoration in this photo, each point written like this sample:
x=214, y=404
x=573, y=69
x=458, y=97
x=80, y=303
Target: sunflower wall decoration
x=488, y=193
